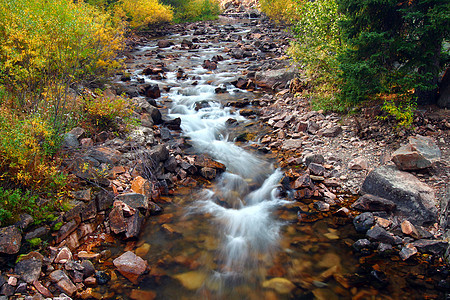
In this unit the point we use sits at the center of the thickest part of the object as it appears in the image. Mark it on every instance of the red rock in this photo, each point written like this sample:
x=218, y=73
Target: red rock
x=117, y=220
x=409, y=229
x=141, y=186
x=142, y=295
x=64, y=255
x=63, y=282
x=42, y=289
x=10, y=240
x=130, y=266
x=302, y=182
x=358, y=164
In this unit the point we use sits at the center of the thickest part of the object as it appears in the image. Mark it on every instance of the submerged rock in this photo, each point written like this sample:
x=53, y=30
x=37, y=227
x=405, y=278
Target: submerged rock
x=191, y=280
x=281, y=285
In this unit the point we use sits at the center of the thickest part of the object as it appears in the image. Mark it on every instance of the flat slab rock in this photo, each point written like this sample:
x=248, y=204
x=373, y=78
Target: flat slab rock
x=415, y=200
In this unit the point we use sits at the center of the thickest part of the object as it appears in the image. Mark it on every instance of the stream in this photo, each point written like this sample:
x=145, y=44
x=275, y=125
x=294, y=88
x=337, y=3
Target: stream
x=239, y=237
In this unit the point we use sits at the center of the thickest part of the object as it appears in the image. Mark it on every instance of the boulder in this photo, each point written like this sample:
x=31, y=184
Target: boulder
x=436, y=247
x=380, y=234
x=419, y=153
x=370, y=202
x=415, y=200
x=358, y=164
x=29, y=267
x=273, y=79
x=130, y=266
x=10, y=240
x=164, y=43
x=332, y=132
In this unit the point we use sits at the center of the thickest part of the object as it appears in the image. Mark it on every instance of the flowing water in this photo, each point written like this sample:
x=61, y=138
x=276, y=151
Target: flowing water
x=238, y=238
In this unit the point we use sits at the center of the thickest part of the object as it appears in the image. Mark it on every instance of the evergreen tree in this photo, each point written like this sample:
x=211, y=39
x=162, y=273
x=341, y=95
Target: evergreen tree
x=394, y=48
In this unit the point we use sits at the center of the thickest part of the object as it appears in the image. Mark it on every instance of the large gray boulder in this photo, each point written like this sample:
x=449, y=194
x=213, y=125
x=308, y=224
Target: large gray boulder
x=419, y=153
x=274, y=79
x=415, y=200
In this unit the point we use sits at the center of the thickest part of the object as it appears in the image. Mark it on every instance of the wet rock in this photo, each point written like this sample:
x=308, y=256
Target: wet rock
x=407, y=252
x=63, y=282
x=90, y=281
x=164, y=43
x=332, y=132
x=358, y=164
x=209, y=65
x=436, y=247
x=88, y=268
x=370, y=202
x=29, y=267
x=203, y=160
x=420, y=153
x=102, y=277
x=316, y=169
x=191, y=280
x=130, y=266
x=142, y=250
x=208, y=173
x=142, y=295
x=63, y=256
x=322, y=206
x=134, y=200
x=364, y=222
x=380, y=234
x=25, y=221
x=314, y=158
x=415, y=200
x=281, y=285
x=384, y=248
x=151, y=91
x=10, y=240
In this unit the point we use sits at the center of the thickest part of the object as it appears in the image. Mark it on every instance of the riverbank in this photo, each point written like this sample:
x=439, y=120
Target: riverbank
x=315, y=151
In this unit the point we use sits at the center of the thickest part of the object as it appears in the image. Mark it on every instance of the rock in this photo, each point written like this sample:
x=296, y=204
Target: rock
x=104, y=200
x=70, y=141
x=142, y=295
x=88, y=268
x=332, y=132
x=291, y=144
x=42, y=289
x=209, y=65
x=314, y=158
x=208, y=173
x=409, y=229
x=7, y=290
x=10, y=240
x=117, y=220
x=134, y=200
x=63, y=256
x=380, y=234
x=141, y=186
x=78, y=132
x=321, y=206
x=383, y=248
x=364, y=222
x=105, y=155
x=358, y=164
x=90, y=281
x=29, y=267
x=134, y=225
x=37, y=233
x=415, y=200
x=83, y=195
x=164, y=43
x=435, y=247
x=370, y=202
x=203, y=160
x=24, y=221
x=130, y=266
x=142, y=250
x=407, y=252
x=159, y=153
x=65, y=230
x=275, y=79
x=281, y=285
x=102, y=277
x=12, y=281
x=86, y=143
x=303, y=181
x=420, y=153
x=313, y=127
x=316, y=169
x=63, y=282
x=191, y=280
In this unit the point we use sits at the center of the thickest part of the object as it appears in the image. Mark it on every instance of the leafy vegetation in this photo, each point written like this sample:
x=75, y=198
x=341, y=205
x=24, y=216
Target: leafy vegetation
x=140, y=14
x=354, y=52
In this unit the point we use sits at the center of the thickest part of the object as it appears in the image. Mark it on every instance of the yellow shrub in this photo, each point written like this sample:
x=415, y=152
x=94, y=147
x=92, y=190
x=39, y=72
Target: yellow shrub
x=281, y=10
x=142, y=13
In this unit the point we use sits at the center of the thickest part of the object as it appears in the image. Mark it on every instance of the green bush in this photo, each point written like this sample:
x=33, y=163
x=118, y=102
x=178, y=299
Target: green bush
x=15, y=202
